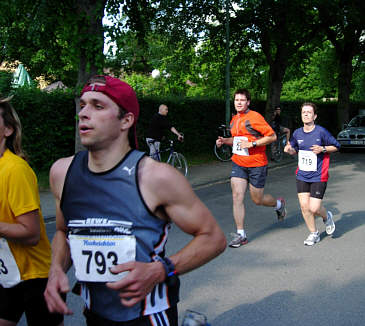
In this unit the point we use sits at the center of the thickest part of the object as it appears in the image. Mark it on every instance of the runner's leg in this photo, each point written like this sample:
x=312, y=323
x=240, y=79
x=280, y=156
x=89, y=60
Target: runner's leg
x=239, y=187
x=304, y=202
x=316, y=208
x=259, y=198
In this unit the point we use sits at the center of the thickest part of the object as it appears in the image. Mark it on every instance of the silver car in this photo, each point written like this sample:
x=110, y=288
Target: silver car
x=353, y=134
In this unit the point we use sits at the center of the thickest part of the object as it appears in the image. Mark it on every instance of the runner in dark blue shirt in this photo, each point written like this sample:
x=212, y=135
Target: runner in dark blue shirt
x=313, y=144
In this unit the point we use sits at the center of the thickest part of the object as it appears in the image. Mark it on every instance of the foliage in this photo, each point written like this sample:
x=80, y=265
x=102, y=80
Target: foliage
x=52, y=38
x=272, y=45
x=314, y=78
x=343, y=23
x=358, y=80
x=48, y=121
x=5, y=82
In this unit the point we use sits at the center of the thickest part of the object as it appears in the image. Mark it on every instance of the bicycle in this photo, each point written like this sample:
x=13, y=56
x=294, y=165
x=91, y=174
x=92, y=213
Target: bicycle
x=177, y=160
x=277, y=147
x=224, y=152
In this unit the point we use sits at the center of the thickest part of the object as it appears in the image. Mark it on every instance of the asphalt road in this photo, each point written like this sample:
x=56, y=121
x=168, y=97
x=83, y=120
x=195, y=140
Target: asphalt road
x=275, y=279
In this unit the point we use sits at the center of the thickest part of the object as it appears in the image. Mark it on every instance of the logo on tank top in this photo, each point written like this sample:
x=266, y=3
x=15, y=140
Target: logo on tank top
x=101, y=225
x=129, y=170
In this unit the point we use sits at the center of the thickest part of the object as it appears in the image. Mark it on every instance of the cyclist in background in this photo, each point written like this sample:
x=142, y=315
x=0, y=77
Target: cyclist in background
x=276, y=124
x=156, y=130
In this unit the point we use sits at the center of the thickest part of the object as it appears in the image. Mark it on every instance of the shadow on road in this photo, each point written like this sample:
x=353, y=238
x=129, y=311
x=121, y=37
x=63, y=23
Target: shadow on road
x=348, y=222
x=301, y=308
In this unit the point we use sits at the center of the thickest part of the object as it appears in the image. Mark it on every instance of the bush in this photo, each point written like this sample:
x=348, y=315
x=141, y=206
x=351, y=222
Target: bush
x=5, y=82
x=49, y=121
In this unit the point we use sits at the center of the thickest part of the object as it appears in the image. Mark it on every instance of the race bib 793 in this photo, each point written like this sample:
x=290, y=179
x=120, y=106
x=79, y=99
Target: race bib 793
x=99, y=244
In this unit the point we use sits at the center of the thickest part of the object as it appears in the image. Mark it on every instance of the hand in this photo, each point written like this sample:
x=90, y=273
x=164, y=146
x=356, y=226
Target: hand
x=57, y=283
x=245, y=144
x=139, y=282
x=288, y=149
x=220, y=141
x=180, y=138
x=316, y=149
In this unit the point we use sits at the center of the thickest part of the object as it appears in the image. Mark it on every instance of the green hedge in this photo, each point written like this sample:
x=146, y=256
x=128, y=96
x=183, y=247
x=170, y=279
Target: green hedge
x=49, y=121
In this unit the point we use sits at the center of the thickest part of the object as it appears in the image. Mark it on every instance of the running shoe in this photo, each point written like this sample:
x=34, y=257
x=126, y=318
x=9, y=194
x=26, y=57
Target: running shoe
x=312, y=239
x=330, y=224
x=281, y=212
x=237, y=240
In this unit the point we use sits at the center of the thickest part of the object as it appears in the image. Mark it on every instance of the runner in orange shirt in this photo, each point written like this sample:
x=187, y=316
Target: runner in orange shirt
x=250, y=135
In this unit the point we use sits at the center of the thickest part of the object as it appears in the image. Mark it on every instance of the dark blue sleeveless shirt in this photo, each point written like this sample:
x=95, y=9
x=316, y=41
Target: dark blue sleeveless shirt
x=115, y=195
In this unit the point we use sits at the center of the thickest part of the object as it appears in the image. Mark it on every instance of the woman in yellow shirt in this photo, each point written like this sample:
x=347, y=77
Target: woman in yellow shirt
x=25, y=252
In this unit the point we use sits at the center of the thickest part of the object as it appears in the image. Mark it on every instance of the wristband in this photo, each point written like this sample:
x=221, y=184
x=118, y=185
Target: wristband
x=168, y=265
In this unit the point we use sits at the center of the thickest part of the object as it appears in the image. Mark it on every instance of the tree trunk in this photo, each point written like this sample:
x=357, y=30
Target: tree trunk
x=276, y=77
x=91, y=47
x=344, y=89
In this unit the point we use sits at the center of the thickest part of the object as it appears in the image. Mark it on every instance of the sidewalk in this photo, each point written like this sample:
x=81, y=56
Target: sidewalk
x=198, y=176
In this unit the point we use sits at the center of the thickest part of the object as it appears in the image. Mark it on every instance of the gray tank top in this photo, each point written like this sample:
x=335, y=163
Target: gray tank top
x=114, y=195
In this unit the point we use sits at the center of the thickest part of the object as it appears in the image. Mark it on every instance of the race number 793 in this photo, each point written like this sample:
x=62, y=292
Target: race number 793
x=100, y=259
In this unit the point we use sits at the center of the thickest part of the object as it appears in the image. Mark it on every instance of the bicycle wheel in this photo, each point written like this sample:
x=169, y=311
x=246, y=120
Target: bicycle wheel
x=179, y=162
x=276, y=150
x=223, y=153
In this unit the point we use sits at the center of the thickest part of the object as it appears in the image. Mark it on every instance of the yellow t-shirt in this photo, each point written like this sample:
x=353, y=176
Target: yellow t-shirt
x=19, y=195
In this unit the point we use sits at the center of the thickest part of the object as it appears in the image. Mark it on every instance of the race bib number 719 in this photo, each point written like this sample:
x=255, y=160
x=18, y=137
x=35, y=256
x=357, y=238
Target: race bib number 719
x=307, y=161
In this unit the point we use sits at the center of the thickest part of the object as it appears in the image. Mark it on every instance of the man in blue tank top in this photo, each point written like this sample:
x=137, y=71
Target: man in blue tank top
x=114, y=206
x=313, y=144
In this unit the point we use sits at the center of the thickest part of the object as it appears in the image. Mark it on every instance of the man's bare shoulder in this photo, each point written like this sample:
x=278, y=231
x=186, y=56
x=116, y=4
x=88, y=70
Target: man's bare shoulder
x=61, y=165
x=154, y=173
x=59, y=169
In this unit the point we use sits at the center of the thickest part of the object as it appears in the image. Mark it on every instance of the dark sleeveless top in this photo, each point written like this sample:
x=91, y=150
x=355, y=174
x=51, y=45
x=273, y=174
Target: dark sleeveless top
x=115, y=195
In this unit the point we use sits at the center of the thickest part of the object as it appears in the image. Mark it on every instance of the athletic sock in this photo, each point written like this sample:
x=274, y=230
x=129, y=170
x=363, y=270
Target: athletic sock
x=278, y=204
x=241, y=232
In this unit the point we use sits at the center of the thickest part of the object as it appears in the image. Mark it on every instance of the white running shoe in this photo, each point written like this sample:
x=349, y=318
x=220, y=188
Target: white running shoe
x=330, y=224
x=312, y=239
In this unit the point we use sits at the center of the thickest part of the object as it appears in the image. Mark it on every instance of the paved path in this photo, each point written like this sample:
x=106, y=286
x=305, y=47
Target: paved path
x=198, y=176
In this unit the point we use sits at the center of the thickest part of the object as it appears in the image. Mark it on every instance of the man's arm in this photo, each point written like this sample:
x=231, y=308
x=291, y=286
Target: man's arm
x=162, y=186
x=180, y=137
x=61, y=257
x=266, y=140
x=317, y=149
x=224, y=141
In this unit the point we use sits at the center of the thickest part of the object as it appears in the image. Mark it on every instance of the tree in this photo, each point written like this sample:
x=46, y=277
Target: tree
x=343, y=22
x=313, y=78
x=280, y=28
x=51, y=37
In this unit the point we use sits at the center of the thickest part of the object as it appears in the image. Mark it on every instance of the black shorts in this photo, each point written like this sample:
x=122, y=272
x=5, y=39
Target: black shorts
x=316, y=189
x=27, y=297
x=255, y=176
x=158, y=318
